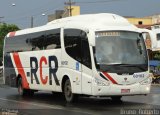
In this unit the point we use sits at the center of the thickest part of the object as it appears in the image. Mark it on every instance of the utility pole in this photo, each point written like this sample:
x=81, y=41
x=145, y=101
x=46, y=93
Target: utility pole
x=70, y=3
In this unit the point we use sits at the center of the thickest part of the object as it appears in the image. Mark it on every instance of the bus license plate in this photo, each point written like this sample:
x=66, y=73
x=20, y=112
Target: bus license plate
x=125, y=90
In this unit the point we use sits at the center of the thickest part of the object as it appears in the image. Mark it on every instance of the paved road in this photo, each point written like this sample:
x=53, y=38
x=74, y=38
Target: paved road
x=48, y=104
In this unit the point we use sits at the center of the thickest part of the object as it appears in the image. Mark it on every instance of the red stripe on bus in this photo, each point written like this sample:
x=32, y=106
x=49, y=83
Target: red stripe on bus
x=20, y=70
x=109, y=77
x=12, y=34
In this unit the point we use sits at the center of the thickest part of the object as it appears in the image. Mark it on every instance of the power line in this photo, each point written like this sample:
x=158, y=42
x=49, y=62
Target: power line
x=21, y=16
x=33, y=15
x=70, y=3
x=41, y=7
x=103, y=1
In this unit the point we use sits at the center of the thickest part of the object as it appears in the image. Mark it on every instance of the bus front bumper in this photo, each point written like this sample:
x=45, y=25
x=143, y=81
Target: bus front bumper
x=111, y=90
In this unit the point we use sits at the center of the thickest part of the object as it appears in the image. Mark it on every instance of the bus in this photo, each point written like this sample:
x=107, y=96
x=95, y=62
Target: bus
x=100, y=55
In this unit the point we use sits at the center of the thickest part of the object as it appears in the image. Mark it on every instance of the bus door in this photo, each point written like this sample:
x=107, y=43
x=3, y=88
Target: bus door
x=77, y=60
x=86, y=80
x=86, y=65
x=71, y=58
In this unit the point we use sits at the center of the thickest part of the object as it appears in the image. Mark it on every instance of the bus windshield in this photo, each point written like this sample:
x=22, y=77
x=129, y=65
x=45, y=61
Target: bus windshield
x=120, y=48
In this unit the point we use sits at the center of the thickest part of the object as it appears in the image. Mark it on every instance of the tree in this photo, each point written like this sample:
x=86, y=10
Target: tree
x=4, y=30
x=156, y=55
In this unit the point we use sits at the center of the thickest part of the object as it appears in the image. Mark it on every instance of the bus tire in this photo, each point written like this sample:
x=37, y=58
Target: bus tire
x=21, y=90
x=69, y=96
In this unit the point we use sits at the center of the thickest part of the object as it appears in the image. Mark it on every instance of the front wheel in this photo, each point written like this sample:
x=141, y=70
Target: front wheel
x=69, y=96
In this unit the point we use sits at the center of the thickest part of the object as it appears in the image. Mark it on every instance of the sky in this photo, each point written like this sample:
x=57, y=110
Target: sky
x=21, y=13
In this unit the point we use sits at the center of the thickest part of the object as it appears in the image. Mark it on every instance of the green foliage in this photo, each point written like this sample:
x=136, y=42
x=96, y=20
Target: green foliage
x=158, y=67
x=156, y=55
x=4, y=30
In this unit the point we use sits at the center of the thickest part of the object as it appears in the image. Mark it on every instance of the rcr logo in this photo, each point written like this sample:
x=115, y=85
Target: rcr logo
x=138, y=75
x=52, y=60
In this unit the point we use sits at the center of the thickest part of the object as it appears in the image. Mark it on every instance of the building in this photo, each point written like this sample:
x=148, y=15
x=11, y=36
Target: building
x=140, y=22
x=75, y=10
x=155, y=18
x=57, y=15
x=145, y=22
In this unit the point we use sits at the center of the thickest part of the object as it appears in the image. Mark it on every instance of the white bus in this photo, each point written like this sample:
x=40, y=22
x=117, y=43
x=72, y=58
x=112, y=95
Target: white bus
x=91, y=55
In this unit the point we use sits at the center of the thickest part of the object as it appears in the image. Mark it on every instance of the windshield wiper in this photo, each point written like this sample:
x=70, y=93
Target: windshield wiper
x=121, y=65
x=142, y=67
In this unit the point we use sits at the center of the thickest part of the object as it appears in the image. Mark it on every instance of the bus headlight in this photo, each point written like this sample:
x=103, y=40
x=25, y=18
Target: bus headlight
x=146, y=81
x=101, y=83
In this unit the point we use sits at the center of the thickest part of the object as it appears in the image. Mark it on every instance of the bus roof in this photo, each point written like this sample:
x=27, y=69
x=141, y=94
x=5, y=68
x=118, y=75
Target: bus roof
x=87, y=21
x=94, y=21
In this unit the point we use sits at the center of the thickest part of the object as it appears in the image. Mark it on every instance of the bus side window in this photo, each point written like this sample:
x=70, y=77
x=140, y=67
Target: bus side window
x=35, y=41
x=16, y=44
x=75, y=42
x=52, y=39
x=72, y=42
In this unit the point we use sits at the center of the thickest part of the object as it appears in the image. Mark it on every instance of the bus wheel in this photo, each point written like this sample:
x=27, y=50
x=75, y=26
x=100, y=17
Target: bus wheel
x=116, y=98
x=22, y=91
x=20, y=87
x=69, y=96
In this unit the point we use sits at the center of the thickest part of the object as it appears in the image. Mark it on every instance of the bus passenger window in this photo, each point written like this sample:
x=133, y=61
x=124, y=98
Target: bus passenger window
x=35, y=41
x=52, y=39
